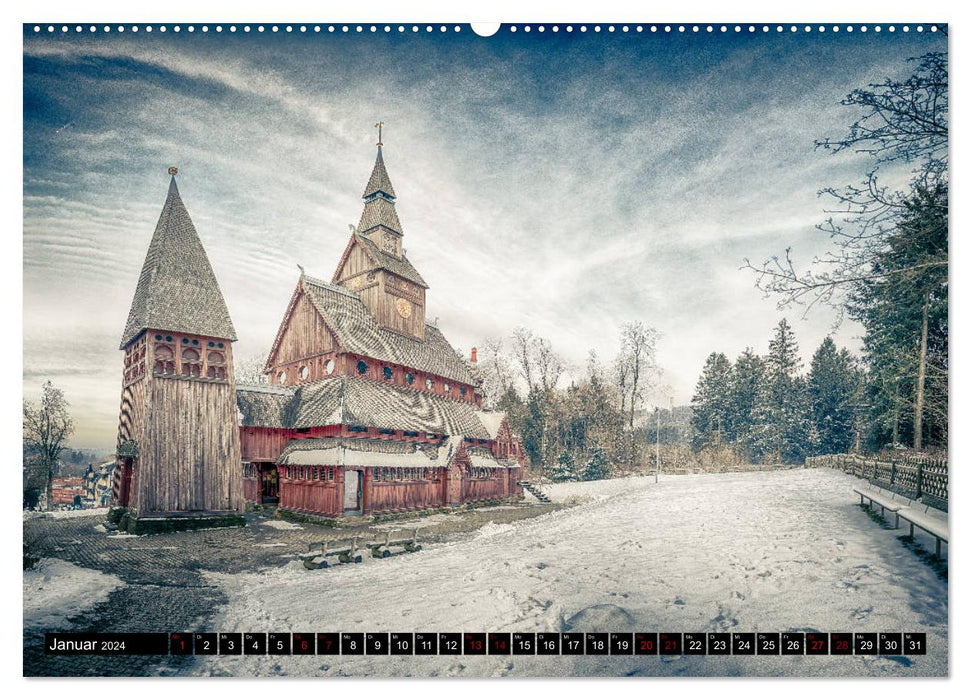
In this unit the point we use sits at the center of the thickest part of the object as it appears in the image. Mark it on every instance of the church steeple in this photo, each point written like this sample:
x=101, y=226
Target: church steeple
x=177, y=290
x=379, y=220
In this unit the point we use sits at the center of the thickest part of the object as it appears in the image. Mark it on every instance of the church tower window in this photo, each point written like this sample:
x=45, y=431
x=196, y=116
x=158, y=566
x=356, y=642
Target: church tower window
x=304, y=372
x=191, y=363
x=410, y=378
x=216, y=362
x=361, y=367
x=164, y=358
x=386, y=371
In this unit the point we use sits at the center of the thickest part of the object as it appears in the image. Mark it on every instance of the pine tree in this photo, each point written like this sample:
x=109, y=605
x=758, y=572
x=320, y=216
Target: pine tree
x=748, y=374
x=711, y=402
x=833, y=383
x=783, y=424
x=598, y=466
x=564, y=469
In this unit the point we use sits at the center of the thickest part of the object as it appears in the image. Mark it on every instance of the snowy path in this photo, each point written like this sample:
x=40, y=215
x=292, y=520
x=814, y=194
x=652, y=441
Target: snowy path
x=747, y=552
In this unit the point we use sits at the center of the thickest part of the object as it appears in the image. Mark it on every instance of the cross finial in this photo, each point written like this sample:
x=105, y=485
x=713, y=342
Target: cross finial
x=378, y=127
x=173, y=171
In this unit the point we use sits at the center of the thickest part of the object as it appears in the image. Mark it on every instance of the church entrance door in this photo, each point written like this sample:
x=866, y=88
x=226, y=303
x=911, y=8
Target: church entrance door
x=353, y=486
x=269, y=484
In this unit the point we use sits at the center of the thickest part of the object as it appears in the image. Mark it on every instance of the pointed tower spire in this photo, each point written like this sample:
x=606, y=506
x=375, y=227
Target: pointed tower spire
x=177, y=290
x=379, y=221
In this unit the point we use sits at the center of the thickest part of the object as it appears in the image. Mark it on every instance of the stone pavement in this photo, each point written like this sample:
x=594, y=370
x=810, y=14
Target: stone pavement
x=166, y=590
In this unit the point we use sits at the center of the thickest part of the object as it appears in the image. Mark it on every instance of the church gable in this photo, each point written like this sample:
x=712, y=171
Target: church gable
x=355, y=265
x=303, y=334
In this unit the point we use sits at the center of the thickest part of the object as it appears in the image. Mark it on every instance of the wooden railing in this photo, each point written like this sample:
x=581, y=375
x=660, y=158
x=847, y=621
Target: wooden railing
x=912, y=476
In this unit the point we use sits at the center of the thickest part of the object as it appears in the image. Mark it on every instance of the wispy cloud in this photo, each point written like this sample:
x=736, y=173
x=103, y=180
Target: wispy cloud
x=566, y=184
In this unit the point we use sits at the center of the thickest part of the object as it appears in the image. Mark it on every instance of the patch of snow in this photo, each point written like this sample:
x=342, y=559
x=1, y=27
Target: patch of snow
x=55, y=590
x=745, y=551
x=282, y=525
x=271, y=544
x=83, y=513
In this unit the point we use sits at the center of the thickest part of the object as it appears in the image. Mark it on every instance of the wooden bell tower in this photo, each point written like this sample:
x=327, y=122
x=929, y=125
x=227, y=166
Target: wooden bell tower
x=178, y=452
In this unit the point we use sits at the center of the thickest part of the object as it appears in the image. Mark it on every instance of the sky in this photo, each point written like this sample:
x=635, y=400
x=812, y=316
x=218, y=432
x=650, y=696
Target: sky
x=564, y=182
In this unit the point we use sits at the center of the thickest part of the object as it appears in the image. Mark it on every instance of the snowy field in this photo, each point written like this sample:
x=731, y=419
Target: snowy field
x=747, y=552
x=55, y=590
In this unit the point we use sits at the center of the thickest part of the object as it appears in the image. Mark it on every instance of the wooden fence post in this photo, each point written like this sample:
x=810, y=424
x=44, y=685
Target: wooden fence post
x=920, y=479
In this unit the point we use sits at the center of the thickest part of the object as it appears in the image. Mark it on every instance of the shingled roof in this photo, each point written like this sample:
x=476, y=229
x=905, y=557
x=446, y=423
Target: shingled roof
x=357, y=401
x=379, y=181
x=398, y=266
x=358, y=332
x=177, y=290
x=344, y=452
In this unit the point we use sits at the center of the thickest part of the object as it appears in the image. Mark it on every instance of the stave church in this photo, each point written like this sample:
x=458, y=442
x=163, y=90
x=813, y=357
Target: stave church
x=367, y=408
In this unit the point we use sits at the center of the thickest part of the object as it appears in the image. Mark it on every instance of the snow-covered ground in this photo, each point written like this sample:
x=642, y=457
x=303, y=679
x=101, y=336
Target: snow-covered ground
x=747, y=552
x=55, y=590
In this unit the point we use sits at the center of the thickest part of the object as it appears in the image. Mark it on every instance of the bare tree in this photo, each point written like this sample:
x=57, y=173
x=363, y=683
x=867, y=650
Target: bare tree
x=495, y=370
x=46, y=430
x=548, y=363
x=249, y=369
x=522, y=343
x=639, y=344
x=903, y=122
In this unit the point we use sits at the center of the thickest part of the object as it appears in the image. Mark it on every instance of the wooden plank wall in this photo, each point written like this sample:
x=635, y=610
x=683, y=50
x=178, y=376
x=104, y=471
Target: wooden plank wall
x=401, y=496
x=321, y=497
x=305, y=336
x=190, y=457
x=484, y=489
x=251, y=490
x=263, y=444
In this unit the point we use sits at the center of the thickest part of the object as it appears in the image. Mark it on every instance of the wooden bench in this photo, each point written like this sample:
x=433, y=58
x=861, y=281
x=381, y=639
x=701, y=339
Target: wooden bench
x=886, y=502
x=382, y=550
x=346, y=551
x=931, y=524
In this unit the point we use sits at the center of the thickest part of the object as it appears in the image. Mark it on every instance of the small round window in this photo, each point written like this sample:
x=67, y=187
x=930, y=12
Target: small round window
x=387, y=372
x=282, y=376
x=361, y=367
x=329, y=367
x=304, y=372
x=430, y=383
x=410, y=378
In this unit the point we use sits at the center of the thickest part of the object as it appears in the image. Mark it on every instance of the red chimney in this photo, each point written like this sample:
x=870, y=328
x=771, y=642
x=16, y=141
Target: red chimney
x=474, y=356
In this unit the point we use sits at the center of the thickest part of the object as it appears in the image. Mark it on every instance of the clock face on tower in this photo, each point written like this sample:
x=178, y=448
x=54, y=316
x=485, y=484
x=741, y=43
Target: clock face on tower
x=403, y=307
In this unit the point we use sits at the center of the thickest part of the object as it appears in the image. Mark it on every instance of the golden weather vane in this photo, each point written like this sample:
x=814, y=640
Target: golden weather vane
x=378, y=127
x=173, y=170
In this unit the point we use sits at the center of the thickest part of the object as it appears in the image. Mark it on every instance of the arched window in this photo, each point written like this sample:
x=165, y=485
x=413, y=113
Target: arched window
x=164, y=359
x=429, y=383
x=461, y=391
x=329, y=367
x=304, y=372
x=191, y=363
x=361, y=367
x=216, y=362
x=410, y=378
x=446, y=387
x=386, y=371
x=282, y=377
